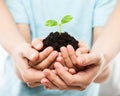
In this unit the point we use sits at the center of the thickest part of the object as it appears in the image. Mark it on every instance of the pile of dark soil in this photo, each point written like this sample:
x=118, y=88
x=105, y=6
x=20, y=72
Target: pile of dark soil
x=57, y=40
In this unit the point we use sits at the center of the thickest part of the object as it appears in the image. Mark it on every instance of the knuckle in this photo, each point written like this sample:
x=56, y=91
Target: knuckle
x=43, y=65
x=71, y=82
x=39, y=67
x=60, y=72
x=27, y=77
x=63, y=87
x=32, y=63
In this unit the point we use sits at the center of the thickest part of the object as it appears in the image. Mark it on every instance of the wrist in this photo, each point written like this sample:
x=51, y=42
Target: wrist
x=101, y=63
x=103, y=76
x=19, y=47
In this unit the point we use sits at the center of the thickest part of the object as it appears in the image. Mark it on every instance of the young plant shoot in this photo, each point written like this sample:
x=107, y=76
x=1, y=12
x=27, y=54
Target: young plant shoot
x=59, y=38
x=64, y=20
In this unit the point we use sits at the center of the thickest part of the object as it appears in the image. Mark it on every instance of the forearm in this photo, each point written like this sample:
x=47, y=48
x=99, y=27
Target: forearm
x=103, y=76
x=109, y=41
x=25, y=32
x=9, y=34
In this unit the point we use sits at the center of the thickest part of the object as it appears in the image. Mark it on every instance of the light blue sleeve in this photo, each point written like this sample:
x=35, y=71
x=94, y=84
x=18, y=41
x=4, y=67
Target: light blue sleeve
x=17, y=10
x=102, y=11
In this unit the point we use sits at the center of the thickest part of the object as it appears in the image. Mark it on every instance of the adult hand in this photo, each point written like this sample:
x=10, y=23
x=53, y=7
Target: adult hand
x=21, y=56
x=62, y=79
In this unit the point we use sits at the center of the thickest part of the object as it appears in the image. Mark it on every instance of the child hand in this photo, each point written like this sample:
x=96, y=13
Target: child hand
x=70, y=56
x=46, y=57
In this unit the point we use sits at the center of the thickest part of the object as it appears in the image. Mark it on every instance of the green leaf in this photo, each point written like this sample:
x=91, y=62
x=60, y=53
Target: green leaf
x=51, y=23
x=66, y=19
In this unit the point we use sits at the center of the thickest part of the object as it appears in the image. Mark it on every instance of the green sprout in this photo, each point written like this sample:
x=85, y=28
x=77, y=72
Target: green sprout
x=64, y=20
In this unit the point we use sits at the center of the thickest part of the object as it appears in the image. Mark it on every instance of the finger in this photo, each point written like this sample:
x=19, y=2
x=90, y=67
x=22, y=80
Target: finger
x=54, y=71
x=83, y=47
x=51, y=66
x=61, y=60
x=66, y=68
x=37, y=44
x=65, y=56
x=32, y=75
x=81, y=79
x=60, y=71
x=48, y=61
x=42, y=55
x=54, y=79
x=65, y=75
x=76, y=88
x=78, y=52
x=50, y=85
x=69, y=88
x=72, y=71
x=45, y=53
x=34, y=84
x=72, y=57
x=88, y=59
x=29, y=74
x=29, y=53
x=84, y=50
x=68, y=78
x=72, y=54
x=47, y=83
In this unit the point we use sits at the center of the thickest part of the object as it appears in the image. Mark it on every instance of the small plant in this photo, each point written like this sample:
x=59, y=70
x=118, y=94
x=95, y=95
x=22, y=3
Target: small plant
x=59, y=38
x=64, y=20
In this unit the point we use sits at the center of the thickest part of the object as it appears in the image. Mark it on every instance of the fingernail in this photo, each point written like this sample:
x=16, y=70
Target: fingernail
x=54, y=53
x=50, y=48
x=38, y=46
x=63, y=48
x=68, y=46
x=33, y=56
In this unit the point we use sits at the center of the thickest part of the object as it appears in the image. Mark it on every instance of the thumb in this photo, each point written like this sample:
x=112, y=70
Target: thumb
x=30, y=53
x=88, y=59
x=37, y=44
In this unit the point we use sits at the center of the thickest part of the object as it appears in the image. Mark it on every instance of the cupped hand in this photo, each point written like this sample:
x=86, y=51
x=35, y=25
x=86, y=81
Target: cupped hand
x=22, y=55
x=46, y=57
x=69, y=55
x=62, y=79
x=66, y=57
